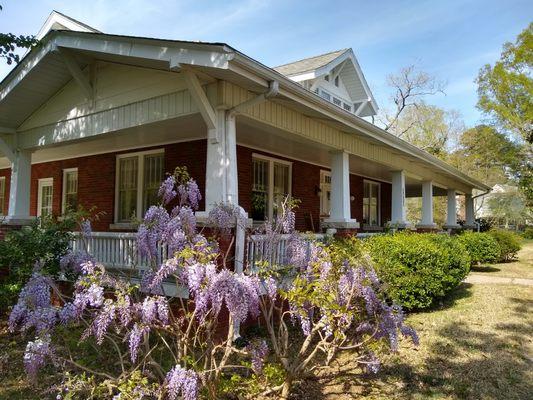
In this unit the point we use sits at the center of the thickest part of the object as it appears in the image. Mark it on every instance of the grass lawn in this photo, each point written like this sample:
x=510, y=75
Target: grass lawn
x=478, y=344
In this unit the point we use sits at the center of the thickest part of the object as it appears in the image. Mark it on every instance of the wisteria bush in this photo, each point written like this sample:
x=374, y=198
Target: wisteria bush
x=305, y=309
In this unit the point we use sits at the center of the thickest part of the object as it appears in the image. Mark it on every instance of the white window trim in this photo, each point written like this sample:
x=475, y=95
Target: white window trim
x=41, y=183
x=63, y=188
x=378, y=184
x=271, y=161
x=3, y=194
x=140, y=181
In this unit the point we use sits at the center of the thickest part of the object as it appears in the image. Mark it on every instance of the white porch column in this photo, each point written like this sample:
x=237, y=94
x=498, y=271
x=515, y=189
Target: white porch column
x=221, y=182
x=451, y=216
x=340, y=215
x=427, y=206
x=232, y=180
x=19, y=193
x=398, y=211
x=470, y=218
x=215, y=182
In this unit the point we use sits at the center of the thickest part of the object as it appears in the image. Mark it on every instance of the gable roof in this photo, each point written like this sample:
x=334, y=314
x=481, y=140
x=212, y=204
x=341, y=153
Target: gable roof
x=59, y=21
x=309, y=64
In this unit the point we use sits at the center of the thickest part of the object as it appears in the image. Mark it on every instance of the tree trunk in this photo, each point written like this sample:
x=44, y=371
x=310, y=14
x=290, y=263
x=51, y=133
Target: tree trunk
x=286, y=390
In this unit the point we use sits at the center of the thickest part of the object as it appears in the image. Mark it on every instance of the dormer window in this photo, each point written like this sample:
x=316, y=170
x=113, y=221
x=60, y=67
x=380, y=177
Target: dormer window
x=337, y=81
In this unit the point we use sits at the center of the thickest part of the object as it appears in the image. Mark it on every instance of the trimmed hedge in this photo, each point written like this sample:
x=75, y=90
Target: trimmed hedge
x=417, y=268
x=482, y=247
x=508, y=242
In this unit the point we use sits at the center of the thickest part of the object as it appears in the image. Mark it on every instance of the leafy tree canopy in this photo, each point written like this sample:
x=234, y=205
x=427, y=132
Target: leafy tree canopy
x=506, y=89
x=10, y=42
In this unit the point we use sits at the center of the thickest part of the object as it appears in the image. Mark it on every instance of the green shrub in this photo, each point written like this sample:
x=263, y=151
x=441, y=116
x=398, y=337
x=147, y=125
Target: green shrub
x=45, y=240
x=418, y=269
x=509, y=243
x=481, y=247
x=528, y=233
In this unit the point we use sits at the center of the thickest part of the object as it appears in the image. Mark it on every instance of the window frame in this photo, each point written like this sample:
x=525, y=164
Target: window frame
x=140, y=181
x=43, y=182
x=270, y=192
x=3, y=184
x=378, y=205
x=66, y=171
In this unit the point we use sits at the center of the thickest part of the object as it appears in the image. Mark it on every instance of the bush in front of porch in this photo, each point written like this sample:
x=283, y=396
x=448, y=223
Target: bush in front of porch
x=45, y=241
x=481, y=247
x=418, y=269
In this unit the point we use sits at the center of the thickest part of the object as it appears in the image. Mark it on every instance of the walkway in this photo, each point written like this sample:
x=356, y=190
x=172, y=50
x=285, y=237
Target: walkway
x=484, y=279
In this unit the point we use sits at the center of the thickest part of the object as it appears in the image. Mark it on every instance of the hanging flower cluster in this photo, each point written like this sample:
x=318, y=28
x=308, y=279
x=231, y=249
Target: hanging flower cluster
x=336, y=306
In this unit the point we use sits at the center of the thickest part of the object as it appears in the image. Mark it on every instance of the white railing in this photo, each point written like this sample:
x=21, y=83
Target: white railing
x=258, y=248
x=114, y=249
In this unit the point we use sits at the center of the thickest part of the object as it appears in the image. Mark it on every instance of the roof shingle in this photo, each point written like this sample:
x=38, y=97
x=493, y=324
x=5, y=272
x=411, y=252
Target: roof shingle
x=308, y=64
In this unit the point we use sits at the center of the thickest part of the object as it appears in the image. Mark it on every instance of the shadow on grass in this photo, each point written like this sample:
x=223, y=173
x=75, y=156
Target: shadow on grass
x=482, y=268
x=463, y=361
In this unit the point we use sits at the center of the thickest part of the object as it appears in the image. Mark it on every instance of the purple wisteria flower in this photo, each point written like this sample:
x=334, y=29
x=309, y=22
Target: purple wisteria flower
x=36, y=355
x=135, y=338
x=86, y=228
x=258, y=351
x=181, y=381
x=166, y=190
x=189, y=194
x=33, y=308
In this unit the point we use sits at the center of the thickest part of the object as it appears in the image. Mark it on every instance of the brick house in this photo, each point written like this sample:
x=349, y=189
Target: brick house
x=96, y=120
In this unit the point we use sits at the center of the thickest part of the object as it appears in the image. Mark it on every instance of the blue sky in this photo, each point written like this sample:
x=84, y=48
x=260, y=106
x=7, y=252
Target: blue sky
x=449, y=39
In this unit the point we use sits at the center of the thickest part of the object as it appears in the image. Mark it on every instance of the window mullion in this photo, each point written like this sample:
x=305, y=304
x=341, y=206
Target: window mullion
x=140, y=184
x=270, y=190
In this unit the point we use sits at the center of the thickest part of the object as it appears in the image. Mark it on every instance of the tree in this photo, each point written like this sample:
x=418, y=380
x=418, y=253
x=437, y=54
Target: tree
x=506, y=89
x=9, y=43
x=430, y=128
x=487, y=154
x=410, y=86
x=509, y=207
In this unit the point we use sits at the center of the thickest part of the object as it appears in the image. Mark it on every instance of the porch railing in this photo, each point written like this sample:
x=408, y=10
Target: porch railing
x=115, y=250
x=258, y=251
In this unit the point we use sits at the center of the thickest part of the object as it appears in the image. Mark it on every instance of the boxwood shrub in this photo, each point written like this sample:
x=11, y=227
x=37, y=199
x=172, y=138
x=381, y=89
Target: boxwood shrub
x=509, y=243
x=417, y=268
x=482, y=247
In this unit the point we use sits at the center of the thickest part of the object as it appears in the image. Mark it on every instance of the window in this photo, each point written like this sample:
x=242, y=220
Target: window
x=325, y=95
x=347, y=107
x=271, y=184
x=337, y=81
x=371, y=203
x=138, y=178
x=337, y=102
x=325, y=193
x=326, y=78
x=45, y=197
x=70, y=189
x=2, y=195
